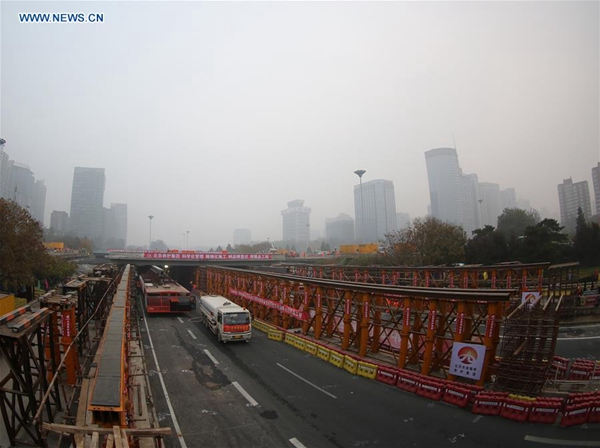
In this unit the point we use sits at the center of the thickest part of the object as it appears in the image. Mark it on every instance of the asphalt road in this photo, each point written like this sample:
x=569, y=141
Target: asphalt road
x=268, y=394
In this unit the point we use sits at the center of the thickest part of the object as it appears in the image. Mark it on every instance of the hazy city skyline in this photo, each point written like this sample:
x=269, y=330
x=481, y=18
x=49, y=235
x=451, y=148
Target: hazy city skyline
x=232, y=110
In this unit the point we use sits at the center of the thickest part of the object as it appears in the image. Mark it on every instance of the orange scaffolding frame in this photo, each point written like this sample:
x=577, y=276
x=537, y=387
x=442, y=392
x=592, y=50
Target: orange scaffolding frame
x=409, y=327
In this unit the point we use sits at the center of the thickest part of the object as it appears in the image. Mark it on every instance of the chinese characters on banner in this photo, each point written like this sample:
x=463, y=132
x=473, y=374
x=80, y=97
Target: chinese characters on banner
x=204, y=256
x=467, y=360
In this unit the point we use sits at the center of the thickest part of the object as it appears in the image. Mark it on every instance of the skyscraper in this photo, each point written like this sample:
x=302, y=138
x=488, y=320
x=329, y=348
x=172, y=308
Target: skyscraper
x=571, y=197
x=491, y=205
x=4, y=173
x=119, y=212
x=378, y=210
x=87, y=198
x=59, y=222
x=596, y=182
x=296, y=224
x=21, y=187
x=508, y=198
x=446, y=186
x=340, y=230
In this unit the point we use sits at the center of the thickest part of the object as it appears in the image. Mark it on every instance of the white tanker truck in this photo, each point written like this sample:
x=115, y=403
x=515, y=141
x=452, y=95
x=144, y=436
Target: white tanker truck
x=227, y=320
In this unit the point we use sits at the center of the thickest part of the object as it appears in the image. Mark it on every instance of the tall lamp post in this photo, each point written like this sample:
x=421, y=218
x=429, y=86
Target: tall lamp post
x=187, y=243
x=150, y=238
x=360, y=173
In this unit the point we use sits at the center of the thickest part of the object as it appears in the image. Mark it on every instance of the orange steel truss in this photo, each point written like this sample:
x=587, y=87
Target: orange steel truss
x=409, y=327
x=524, y=277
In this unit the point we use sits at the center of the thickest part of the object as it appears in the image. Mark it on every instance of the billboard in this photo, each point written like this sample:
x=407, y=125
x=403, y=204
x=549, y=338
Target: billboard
x=467, y=360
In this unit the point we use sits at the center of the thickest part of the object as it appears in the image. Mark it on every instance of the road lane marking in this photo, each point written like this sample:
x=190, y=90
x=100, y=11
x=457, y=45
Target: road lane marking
x=164, y=388
x=578, y=338
x=562, y=441
x=192, y=334
x=246, y=395
x=180, y=319
x=212, y=358
x=306, y=381
x=294, y=441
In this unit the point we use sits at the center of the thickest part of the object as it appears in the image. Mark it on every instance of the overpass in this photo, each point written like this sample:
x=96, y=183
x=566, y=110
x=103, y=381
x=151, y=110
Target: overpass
x=192, y=258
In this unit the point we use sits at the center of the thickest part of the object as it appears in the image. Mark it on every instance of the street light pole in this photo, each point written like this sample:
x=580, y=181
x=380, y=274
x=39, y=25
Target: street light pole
x=187, y=244
x=150, y=238
x=360, y=173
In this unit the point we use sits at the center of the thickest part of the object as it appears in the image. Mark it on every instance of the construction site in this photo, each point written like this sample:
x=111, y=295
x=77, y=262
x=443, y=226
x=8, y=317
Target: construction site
x=481, y=338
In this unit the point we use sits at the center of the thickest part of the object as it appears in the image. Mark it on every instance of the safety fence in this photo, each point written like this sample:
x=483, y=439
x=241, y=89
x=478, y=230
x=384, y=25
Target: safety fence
x=574, y=409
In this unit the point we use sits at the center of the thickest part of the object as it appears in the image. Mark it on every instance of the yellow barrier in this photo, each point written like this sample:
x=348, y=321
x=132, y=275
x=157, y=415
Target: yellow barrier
x=350, y=365
x=367, y=370
x=337, y=359
x=7, y=303
x=290, y=338
x=299, y=343
x=311, y=348
x=323, y=353
x=275, y=335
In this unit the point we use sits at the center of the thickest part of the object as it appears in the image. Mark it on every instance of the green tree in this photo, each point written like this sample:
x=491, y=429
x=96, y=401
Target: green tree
x=22, y=252
x=488, y=246
x=513, y=222
x=426, y=241
x=544, y=242
x=586, y=242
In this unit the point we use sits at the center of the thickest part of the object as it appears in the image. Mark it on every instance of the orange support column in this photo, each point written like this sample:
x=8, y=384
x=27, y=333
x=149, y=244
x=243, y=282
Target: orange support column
x=459, y=331
x=376, y=324
x=305, y=301
x=430, y=337
x=319, y=313
x=364, y=325
x=286, y=302
x=405, y=334
x=492, y=333
x=68, y=332
x=347, y=320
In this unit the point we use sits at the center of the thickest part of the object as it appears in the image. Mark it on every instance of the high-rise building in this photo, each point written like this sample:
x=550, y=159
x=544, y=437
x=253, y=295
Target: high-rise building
x=296, y=224
x=447, y=187
x=508, y=198
x=241, y=236
x=119, y=212
x=596, y=182
x=375, y=202
x=340, y=230
x=59, y=222
x=4, y=171
x=39, y=201
x=402, y=220
x=21, y=187
x=571, y=197
x=87, y=198
x=491, y=205
x=473, y=211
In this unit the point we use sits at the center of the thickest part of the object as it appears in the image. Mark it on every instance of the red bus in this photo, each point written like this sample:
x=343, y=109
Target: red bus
x=162, y=294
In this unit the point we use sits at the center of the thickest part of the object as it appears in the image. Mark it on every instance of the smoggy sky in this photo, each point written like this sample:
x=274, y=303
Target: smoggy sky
x=213, y=115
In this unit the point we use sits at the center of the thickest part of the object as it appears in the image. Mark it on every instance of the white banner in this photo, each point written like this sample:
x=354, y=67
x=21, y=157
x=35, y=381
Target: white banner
x=529, y=298
x=467, y=360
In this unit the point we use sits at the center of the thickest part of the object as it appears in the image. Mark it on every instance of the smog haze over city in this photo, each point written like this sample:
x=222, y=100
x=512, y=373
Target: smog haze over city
x=211, y=116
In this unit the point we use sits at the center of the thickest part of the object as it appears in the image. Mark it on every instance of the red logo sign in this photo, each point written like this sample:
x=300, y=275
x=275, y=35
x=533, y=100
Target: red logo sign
x=467, y=355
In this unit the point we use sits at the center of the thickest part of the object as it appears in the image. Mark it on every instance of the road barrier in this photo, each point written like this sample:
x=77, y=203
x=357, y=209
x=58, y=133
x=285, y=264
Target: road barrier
x=336, y=358
x=545, y=410
x=516, y=409
x=575, y=414
x=350, y=364
x=456, y=394
x=488, y=403
x=407, y=381
x=430, y=388
x=310, y=347
x=366, y=370
x=323, y=353
x=275, y=335
x=387, y=375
